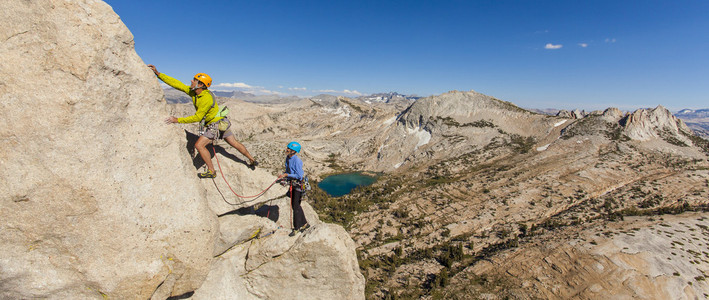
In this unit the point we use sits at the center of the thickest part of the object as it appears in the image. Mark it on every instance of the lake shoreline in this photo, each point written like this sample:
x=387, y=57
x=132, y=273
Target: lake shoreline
x=343, y=184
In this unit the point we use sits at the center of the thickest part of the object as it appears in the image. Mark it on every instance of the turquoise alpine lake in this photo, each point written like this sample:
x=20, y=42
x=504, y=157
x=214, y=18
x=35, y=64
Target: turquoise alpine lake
x=342, y=184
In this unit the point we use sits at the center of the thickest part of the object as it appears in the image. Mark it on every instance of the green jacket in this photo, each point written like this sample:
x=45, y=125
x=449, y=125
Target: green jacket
x=202, y=102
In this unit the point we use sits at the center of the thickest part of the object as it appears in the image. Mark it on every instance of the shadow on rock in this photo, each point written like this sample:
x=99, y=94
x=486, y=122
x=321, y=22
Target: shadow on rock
x=197, y=160
x=269, y=211
x=183, y=296
x=265, y=211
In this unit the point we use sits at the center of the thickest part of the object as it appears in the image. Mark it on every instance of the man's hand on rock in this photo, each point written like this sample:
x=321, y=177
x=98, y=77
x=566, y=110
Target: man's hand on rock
x=155, y=70
x=171, y=120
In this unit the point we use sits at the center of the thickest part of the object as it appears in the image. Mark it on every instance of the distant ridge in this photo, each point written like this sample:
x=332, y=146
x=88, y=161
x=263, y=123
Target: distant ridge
x=697, y=120
x=388, y=97
x=691, y=114
x=173, y=96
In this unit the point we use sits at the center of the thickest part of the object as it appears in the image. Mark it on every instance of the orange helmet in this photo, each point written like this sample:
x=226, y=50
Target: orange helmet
x=204, y=78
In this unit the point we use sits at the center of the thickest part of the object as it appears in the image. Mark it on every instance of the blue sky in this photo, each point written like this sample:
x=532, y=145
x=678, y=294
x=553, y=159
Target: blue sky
x=536, y=54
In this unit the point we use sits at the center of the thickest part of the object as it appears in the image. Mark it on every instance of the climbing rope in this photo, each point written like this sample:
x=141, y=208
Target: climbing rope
x=232, y=190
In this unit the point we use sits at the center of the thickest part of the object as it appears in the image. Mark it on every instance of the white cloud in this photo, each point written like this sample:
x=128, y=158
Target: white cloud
x=610, y=40
x=551, y=46
x=583, y=45
x=257, y=90
x=268, y=92
x=354, y=92
x=297, y=88
x=240, y=85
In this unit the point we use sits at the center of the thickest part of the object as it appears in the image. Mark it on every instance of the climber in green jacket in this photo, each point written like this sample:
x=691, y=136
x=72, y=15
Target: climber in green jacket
x=205, y=104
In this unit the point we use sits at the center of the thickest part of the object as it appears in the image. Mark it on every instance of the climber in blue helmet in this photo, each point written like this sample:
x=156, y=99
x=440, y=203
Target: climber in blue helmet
x=295, y=176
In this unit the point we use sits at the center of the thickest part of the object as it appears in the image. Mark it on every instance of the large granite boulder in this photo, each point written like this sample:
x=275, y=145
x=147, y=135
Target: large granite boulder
x=88, y=200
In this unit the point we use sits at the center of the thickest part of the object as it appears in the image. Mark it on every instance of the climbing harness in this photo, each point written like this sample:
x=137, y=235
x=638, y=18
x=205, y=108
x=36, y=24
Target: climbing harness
x=302, y=185
x=220, y=126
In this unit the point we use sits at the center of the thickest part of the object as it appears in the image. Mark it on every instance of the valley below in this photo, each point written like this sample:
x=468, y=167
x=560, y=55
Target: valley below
x=479, y=198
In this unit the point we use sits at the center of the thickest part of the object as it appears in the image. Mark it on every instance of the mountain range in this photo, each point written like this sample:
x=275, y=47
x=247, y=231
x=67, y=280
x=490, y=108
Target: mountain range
x=697, y=120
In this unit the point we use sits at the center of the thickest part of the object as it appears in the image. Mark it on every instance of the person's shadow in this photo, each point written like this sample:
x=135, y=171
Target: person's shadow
x=271, y=212
x=197, y=160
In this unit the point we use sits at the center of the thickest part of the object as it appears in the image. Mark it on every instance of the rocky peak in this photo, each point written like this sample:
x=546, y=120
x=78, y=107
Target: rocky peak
x=578, y=114
x=564, y=114
x=575, y=114
x=453, y=104
x=460, y=108
x=612, y=115
x=439, y=127
x=646, y=124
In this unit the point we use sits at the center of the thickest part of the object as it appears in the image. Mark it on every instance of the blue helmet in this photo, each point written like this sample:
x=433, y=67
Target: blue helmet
x=294, y=146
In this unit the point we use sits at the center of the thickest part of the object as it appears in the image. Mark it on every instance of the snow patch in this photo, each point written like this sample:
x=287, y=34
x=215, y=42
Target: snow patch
x=396, y=166
x=542, y=148
x=560, y=123
x=423, y=136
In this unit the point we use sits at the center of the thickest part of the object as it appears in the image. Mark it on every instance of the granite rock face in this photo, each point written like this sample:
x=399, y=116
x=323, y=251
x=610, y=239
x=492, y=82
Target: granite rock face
x=88, y=201
x=100, y=198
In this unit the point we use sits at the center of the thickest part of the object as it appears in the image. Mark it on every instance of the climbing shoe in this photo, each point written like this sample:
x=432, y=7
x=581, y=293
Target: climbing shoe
x=253, y=165
x=208, y=174
x=292, y=233
x=304, y=227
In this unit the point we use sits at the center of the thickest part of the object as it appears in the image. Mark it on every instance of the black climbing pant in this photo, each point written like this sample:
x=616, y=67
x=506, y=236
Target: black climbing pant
x=298, y=215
